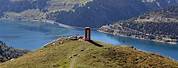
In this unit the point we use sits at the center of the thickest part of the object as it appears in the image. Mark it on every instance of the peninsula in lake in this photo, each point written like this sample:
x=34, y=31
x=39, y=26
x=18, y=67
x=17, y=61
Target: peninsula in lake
x=160, y=26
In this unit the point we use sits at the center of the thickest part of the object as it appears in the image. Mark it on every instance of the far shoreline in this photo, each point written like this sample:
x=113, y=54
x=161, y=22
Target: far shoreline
x=159, y=41
x=42, y=21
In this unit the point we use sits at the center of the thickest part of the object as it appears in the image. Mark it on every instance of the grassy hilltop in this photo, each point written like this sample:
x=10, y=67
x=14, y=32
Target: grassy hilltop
x=82, y=54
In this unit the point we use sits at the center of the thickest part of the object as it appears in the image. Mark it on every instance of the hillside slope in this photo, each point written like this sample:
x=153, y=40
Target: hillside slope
x=82, y=54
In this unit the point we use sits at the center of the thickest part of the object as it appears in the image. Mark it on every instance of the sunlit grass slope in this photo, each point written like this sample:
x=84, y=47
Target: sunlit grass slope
x=82, y=54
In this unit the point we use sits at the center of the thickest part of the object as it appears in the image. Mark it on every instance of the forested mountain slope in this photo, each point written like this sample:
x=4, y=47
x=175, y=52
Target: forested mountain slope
x=8, y=53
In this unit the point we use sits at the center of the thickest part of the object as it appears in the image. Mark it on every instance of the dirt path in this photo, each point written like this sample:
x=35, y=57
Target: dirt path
x=75, y=56
x=72, y=64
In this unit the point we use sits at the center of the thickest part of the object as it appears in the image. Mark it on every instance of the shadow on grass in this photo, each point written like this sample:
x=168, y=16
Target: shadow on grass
x=95, y=43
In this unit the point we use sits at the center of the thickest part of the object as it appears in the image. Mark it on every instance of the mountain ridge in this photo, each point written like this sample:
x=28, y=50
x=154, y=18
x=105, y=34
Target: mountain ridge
x=93, y=13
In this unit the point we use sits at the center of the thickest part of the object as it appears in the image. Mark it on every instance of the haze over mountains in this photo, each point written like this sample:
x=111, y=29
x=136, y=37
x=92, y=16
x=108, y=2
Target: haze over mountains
x=79, y=12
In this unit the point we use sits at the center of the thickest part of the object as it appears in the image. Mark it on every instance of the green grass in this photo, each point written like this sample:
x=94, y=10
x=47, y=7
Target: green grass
x=81, y=54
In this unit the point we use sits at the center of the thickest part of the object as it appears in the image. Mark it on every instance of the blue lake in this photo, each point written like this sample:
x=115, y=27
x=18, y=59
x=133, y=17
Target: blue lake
x=33, y=35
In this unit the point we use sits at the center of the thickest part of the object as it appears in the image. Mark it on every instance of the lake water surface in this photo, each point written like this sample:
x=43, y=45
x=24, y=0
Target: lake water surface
x=33, y=35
